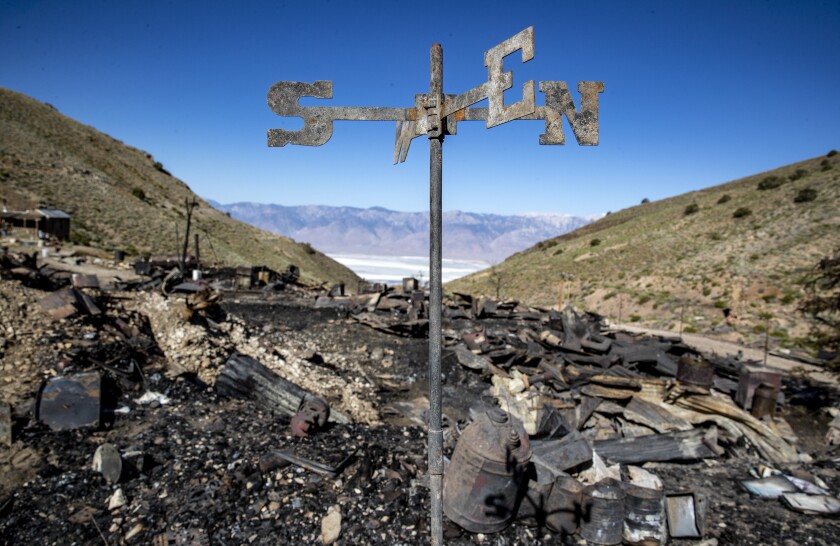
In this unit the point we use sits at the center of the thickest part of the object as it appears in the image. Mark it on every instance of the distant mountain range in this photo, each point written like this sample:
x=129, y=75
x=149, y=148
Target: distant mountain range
x=379, y=231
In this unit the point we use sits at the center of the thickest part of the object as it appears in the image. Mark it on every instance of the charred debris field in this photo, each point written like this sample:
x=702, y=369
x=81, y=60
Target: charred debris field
x=157, y=411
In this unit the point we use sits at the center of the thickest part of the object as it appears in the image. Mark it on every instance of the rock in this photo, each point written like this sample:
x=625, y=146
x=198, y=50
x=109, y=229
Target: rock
x=331, y=525
x=134, y=532
x=117, y=500
x=107, y=461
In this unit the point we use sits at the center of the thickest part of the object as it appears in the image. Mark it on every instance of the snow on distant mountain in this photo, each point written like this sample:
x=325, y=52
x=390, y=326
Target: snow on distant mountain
x=378, y=231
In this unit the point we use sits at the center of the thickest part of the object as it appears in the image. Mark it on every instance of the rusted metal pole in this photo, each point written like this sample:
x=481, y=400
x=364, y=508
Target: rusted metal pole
x=435, y=289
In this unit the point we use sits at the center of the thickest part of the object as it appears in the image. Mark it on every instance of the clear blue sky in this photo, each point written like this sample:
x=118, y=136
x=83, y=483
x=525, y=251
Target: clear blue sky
x=697, y=93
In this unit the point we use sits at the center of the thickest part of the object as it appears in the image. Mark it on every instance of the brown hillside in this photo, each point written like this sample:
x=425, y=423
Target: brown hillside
x=120, y=197
x=692, y=256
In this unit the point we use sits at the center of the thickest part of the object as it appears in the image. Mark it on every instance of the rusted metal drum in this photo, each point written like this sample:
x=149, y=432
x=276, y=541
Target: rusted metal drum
x=764, y=401
x=488, y=473
x=644, y=516
x=602, y=518
x=564, y=506
x=695, y=371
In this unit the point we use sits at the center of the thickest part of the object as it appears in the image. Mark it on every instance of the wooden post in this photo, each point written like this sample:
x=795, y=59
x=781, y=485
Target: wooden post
x=197, y=255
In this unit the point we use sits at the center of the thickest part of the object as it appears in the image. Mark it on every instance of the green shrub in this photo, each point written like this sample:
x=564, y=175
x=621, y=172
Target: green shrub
x=558, y=252
x=79, y=237
x=725, y=198
x=689, y=330
x=800, y=173
x=741, y=212
x=759, y=328
x=308, y=248
x=770, y=183
x=769, y=298
x=788, y=298
x=720, y=304
x=832, y=153
x=691, y=209
x=138, y=193
x=706, y=290
x=805, y=195
x=645, y=200
x=635, y=318
x=643, y=299
x=715, y=236
x=595, y=242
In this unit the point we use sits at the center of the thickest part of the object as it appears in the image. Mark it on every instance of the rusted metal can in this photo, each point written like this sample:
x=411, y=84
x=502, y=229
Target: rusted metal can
x=533, y=508
x=644, y=516
x=602, y=519
x=564, y=506
x=764, y=401
x=488, y=473
x=695, y=371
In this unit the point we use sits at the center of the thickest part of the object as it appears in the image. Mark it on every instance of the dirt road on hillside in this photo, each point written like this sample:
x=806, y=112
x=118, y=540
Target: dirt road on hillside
x=726, y=348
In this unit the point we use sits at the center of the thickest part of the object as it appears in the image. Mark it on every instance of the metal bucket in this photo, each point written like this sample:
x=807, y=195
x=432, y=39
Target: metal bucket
x=488, y=473
x=564, y=506
x=644, y=516
x=694, y=371
x=602, y=519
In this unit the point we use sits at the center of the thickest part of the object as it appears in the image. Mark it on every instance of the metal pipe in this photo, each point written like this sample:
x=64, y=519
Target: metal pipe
x=435, y=292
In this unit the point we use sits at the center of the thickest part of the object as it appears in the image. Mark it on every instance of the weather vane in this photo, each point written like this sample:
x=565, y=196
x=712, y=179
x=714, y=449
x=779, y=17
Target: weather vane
x=436, y=115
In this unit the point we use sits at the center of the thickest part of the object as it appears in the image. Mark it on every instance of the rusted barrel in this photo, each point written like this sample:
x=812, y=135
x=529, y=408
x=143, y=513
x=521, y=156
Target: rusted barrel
x=764, y=401
x=487, y=475
x=695, y=371
x=602, y=519
x=564, y=506
x=644, y=516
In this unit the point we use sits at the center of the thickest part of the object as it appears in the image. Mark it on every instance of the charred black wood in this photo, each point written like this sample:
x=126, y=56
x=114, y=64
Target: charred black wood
x=676, y=446
x=245, y=378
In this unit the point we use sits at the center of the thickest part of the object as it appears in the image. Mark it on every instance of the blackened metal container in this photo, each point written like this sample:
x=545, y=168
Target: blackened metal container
x=602, y=519
x=488, y=473
x=564, y=506
x=764, y=401
x=533, y=508
x=644, y=516
x=695, y=371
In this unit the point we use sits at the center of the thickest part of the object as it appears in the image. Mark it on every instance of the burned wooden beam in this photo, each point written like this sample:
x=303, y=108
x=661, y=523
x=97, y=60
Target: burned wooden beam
x=656, y=417
x=559, y=456
x=675, y=446
x=246, y=378
x=465, y=357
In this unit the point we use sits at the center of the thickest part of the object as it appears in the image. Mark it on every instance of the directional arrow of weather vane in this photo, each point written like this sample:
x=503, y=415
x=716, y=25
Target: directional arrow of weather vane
x=435, y=115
